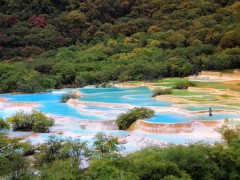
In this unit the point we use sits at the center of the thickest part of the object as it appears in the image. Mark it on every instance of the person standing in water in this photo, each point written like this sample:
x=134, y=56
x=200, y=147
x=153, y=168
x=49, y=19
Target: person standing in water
x=210, y=111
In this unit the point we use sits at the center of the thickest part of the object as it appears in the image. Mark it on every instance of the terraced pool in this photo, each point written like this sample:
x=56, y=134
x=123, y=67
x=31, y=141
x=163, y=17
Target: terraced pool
x=120, y=96
x=50, y=101
x=169, y=118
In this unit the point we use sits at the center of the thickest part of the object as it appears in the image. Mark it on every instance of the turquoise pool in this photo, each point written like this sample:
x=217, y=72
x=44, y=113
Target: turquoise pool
x=133, y=96
x=6, y=113
x=50, y=104
x=50, y=101
x=206, y=108
x=169, y=118
x=216, y=116
x=140, y=96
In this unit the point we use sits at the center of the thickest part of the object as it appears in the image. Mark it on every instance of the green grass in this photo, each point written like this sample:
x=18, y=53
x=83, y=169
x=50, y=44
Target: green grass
x=134, y=82
x=181, y=102
x=187, y=93
x=172, y=80
x=236, y=89
x=225, y=96
x=165, y=84
x=215, y=85
x=233, y=104
x=202, y=99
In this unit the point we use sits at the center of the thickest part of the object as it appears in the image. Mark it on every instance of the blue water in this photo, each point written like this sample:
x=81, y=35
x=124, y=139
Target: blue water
x=140, y=96
x=216, y=116
x=50, y=101
x=133, y=96
x=168, y=118
x=179, y=118
x=50, y=104
x=206, y=108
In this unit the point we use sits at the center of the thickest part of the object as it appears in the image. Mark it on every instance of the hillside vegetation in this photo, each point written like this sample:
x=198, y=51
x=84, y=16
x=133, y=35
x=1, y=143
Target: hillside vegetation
x=64, y=158
x=59, y=43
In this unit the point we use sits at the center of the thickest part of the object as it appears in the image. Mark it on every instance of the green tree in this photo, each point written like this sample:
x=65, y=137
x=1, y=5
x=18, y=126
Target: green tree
x=105, y=145
x=12, y=162
x=35, y=121
x=4, y=125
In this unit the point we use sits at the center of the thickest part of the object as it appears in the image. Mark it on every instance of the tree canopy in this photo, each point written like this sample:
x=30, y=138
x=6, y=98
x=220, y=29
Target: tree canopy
x=67, y=43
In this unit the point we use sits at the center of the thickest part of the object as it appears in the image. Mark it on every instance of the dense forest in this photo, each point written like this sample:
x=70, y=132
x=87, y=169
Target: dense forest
x=72, y=43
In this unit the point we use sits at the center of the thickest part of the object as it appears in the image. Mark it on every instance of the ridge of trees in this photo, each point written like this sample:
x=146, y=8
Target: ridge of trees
x=67, y=43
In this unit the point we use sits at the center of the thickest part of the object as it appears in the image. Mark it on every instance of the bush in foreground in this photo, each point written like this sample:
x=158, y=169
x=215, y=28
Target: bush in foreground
x=125, y=120
x=36, y=121
x=4, y=125
x=61, y=158
x=160, y=91
x=105, y=144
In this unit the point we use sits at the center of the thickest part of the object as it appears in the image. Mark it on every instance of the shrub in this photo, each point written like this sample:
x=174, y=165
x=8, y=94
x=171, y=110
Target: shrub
x=36, y=121
x=41, y=125
x=183, y=84
x=125, y=120
x=229, y=133
x=65, y=97
x=72, y=95
x=57, y=148
x=21, y=121
x=160, y=91
x=104, y=85
x=3, y=125
x=105, y=144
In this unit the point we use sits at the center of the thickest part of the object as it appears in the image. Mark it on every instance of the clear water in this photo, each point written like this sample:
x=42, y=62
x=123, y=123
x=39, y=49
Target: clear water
x=50, y=101
x=169, y=118
x=5, y=113
x=206, y=108
x=140, y=96
x=217, y=116
x=133, y=96
x=50, y=104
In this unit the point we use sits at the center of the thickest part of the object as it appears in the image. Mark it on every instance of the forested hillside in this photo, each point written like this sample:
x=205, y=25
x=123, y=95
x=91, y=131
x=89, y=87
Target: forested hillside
x=58, y=43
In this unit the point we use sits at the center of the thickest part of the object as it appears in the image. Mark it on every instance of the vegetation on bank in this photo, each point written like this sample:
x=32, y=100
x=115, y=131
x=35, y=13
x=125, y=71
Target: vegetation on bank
x=72, y=44
x=35, y=121
x=4, y=125
x=125, y=120
x=184, y=84
x=160, y=91
x=104, y=145
x=61, y=158
x=65, y=97
x=70, y=95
